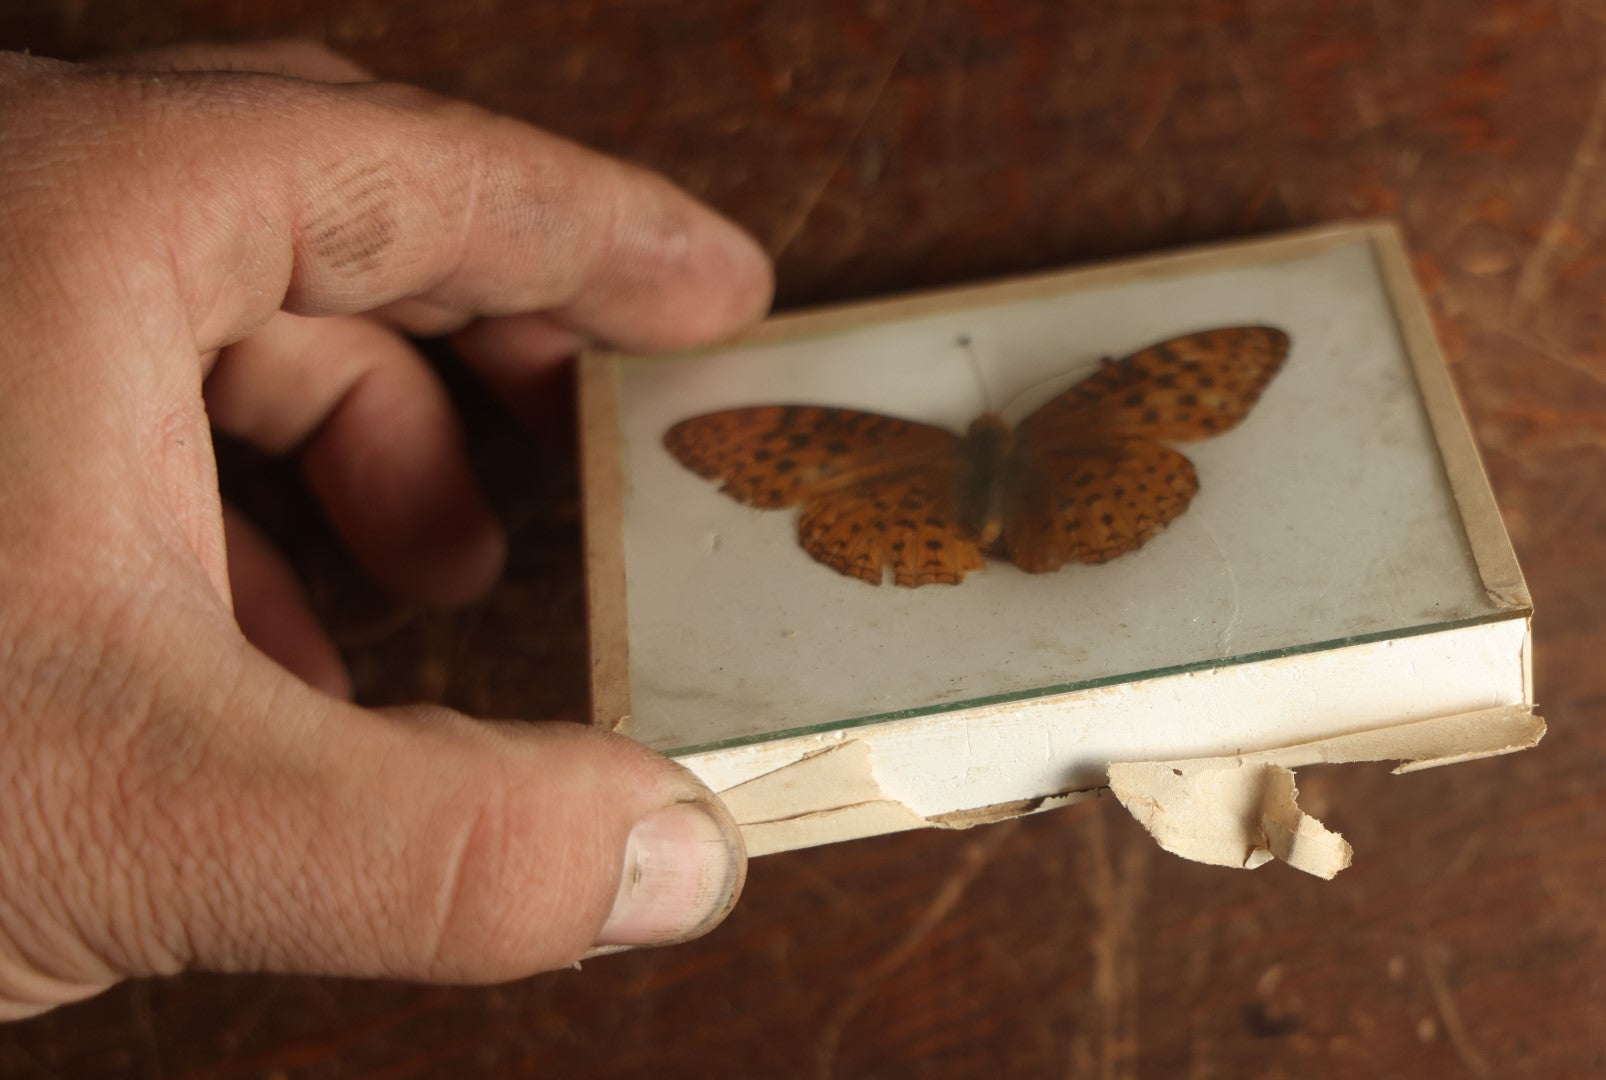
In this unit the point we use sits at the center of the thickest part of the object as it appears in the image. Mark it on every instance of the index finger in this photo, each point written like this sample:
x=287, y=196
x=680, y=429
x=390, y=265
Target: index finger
x=348, y=197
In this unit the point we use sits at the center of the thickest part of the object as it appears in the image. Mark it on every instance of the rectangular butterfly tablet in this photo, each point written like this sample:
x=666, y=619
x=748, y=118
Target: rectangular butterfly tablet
x=953, y=557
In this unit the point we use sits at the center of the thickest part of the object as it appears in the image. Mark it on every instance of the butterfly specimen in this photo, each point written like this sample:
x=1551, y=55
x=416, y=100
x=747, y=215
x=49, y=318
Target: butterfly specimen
x=1083, y=479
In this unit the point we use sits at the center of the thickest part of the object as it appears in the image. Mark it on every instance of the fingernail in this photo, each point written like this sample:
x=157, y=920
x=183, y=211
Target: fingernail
x=684, y=867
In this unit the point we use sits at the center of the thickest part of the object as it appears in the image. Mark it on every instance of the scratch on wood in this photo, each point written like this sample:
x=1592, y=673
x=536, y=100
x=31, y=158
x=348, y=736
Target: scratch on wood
x=1114, y=896
x=977, y=854
x=1253, y=97
x=793, y=231
x=139, y=1001
x=12, y=1053
x=1450, y=1016
x=1391, y=74
x=1586, y=10
x=1158, y=105
x=841, y=899
x=1537, y=271
x=1534, y=340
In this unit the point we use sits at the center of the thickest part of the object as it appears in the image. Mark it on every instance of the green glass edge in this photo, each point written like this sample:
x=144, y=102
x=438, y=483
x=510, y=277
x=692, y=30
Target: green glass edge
x=1105, y=680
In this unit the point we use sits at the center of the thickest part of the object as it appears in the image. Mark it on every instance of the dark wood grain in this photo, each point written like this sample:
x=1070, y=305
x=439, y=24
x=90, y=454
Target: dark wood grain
x=882, y=147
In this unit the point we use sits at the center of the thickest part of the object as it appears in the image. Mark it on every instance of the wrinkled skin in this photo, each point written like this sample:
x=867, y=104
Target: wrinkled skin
x=242, y=237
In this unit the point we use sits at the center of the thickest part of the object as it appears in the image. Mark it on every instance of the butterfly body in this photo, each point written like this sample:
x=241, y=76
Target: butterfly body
x=986, y=457
x=1082, y=479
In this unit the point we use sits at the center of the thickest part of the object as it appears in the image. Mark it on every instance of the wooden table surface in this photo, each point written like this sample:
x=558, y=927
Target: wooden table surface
x=880, y=147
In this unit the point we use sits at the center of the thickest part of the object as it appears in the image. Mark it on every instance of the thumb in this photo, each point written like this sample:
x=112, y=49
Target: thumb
x=261, y=825
x=422, y=844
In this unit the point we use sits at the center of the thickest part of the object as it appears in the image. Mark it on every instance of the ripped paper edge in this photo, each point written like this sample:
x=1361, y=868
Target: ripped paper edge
x=1239, y=810
x=1242, y=810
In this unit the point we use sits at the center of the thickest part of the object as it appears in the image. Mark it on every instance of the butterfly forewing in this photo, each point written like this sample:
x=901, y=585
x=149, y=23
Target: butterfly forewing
x=879, y=494
x=1189, y=387
x=1080, y=505
x=778, y=455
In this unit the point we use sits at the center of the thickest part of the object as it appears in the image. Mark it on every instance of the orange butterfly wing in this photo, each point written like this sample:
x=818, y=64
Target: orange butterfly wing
x=1187, y=388
x=1088, y=505
x=878, y=493
x=908, y=523
x=1090, y=481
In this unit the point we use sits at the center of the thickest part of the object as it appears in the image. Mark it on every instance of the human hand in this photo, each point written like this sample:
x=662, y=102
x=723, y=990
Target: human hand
x=169, y=795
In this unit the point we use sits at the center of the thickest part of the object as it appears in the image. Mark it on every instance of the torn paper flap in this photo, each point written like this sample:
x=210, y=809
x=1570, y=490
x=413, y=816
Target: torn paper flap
x=1422, y=744
x=1242, y=810
x=991, y=815
x=1228, y=813
x=840, y=775
x=829, y=796
x=1294, y=836
x=829, y=827
x=833, y=795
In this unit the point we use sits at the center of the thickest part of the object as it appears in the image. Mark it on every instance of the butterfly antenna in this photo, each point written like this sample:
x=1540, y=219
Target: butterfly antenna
x=975, y=371
x=1068, y=379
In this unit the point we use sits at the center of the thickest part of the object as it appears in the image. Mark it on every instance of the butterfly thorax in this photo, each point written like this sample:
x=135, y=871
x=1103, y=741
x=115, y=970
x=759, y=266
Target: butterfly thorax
x=984, y=455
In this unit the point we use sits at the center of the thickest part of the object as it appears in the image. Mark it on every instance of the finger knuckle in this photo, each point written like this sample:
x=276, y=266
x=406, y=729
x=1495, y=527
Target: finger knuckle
x=518, y=887
x=91, y=765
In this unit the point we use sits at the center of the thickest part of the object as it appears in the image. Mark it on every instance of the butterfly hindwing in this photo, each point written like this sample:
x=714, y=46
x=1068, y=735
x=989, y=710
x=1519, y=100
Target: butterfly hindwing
x=1189, y=387
x=1089, y=505
x=779, y=455
x=905, y=523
